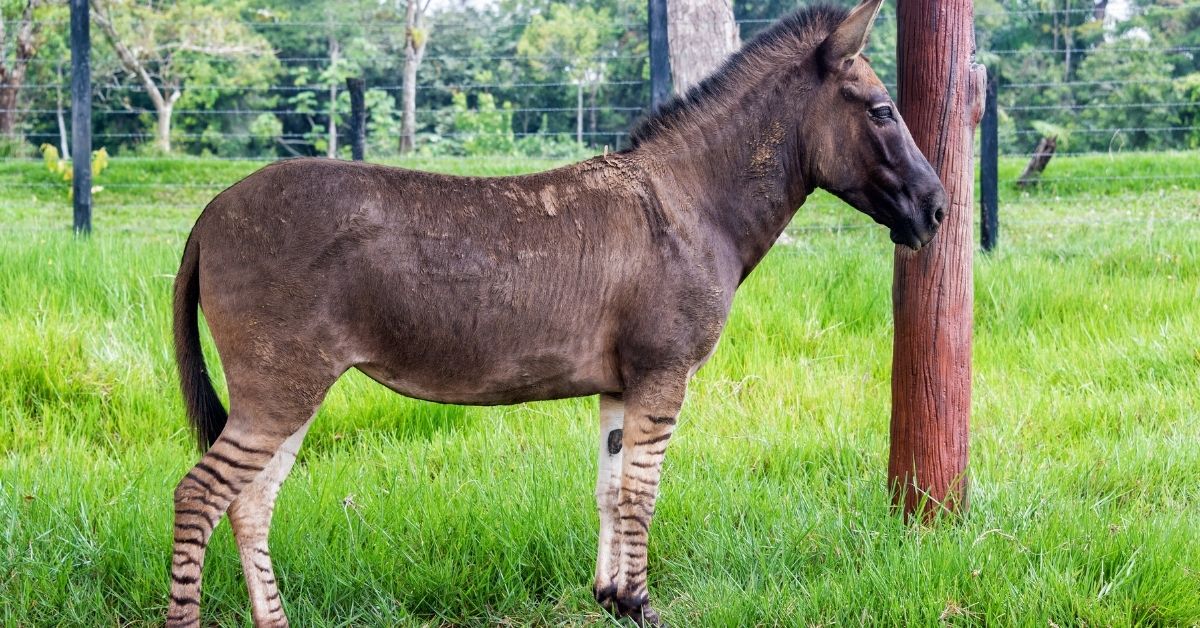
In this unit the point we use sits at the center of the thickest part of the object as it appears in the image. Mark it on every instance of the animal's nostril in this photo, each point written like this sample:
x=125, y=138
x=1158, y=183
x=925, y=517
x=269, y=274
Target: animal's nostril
x=939, y=215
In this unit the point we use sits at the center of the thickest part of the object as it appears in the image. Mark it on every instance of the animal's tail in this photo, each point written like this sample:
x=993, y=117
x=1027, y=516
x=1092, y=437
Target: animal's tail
x=204, y=409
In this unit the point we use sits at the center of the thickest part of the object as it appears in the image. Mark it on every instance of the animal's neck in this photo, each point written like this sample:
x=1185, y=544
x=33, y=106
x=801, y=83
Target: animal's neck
x=739, y=166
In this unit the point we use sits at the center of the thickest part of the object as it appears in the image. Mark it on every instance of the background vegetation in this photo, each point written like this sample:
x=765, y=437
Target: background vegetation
x=1120, y=78
x=1086, y=474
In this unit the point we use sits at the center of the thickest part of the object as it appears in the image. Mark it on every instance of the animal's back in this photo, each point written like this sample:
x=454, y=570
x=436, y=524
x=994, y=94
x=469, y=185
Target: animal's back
x=460, y=289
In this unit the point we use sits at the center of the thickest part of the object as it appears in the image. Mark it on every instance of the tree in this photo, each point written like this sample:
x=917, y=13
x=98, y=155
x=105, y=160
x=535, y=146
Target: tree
x=570, y=40
x=12, y=69
x=701, y=34
x=164, y=45
x=416, y=37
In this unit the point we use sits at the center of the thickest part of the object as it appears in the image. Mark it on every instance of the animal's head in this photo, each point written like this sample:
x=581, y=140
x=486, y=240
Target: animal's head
x=859, y=147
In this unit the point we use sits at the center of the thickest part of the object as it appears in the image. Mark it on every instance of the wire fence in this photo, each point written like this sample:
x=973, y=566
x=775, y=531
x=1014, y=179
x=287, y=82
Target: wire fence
x=1101, y=91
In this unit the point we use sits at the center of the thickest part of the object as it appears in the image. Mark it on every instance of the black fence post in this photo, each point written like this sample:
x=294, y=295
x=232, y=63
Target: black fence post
x=989, y=182
x=358, y=117
x=81, y=115
x=660, y=63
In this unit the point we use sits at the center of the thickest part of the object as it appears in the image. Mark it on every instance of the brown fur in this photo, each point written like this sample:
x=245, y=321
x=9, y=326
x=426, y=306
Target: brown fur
x=613, y=276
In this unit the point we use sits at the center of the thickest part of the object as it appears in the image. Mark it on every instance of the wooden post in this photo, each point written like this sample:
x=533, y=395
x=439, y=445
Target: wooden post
x=660, y=63
x=941, y=96
x=81, y=115
x=989, y=177
x=358, y=117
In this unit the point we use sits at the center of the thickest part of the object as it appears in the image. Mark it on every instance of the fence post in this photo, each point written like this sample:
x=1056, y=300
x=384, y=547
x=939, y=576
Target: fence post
x=81, y=115
x=358, y=117
x=989, y=182
x=660, y=62
x=941, y=93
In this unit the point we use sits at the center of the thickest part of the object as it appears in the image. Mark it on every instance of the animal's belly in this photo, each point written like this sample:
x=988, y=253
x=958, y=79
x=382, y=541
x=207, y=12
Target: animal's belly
x=503, y=380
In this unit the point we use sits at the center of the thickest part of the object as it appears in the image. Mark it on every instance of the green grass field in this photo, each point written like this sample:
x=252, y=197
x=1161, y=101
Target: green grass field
x=774, y=510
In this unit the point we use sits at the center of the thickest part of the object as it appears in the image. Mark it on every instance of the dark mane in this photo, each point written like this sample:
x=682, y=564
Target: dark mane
x=797, y=27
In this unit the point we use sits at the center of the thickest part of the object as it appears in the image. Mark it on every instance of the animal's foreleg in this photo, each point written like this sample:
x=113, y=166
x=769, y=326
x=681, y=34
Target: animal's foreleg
x=649, y=421
x=250, y=516
x=608, y=489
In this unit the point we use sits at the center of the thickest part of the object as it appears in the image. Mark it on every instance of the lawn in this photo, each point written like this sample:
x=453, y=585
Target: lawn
x=774, y=511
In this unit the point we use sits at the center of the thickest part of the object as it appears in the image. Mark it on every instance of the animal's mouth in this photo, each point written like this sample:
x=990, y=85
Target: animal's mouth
x=910, y=238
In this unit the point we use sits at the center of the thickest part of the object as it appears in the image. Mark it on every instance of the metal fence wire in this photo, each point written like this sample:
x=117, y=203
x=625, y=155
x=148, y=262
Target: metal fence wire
x=1101, y=84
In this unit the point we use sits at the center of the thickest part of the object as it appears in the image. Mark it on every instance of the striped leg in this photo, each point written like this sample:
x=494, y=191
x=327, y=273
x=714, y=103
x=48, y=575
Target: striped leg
x=649, y=421
x=250, y=516
x=608, y=489
x=200, y=500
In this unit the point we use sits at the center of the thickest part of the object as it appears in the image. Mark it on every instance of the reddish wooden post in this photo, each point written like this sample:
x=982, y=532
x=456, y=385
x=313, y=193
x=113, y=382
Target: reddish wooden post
x=941, y=98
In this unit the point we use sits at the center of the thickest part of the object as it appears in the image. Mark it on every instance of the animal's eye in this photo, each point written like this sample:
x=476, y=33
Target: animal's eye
x=882, y=112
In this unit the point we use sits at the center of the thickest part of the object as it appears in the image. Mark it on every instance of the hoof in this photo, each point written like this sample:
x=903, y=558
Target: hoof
x=635, y=608
x=606, y=596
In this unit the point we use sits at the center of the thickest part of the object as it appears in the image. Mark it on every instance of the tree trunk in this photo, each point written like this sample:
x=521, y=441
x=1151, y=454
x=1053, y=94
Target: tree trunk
x=408, y=128
x=164, y=110
x=579, y=113
x=592, y=108
x=162, y=106
x=63, y=145
x=415, y=39
x=932, y=299
x=701, y=34
x=1037, y=163
x=8, y=102
x=12, y=77
x=335, y=52
x=1068, y=42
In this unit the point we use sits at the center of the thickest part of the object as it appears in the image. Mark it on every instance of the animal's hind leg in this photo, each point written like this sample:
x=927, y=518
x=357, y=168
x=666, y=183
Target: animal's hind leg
x=260, y=422
x=200, y=500
x=250, y=516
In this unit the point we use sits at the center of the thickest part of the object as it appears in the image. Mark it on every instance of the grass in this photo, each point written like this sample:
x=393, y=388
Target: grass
x=1085, y=465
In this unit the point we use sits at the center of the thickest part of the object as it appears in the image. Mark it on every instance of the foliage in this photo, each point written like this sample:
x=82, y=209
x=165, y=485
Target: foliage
x=569, y=41
x=1059, y=62
x=65, y=172
x=195, y=53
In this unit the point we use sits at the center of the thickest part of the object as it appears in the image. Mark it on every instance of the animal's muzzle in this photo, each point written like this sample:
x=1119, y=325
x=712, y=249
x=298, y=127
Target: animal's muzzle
x=917, y=232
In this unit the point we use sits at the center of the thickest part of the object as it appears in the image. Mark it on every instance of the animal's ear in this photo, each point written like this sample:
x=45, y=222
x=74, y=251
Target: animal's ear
x=850, y=37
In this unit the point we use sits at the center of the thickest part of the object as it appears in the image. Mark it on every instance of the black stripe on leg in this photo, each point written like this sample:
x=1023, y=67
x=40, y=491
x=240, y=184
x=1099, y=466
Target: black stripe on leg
x=233, y=463
x=662, y=420
x=191, y=526
x=184, y=600
x=182, y=560
x=208, y=486
x=651, y=441
x=213, y=472
x=203, y=514
x=638, y=520
x=184, y=579
x=249, y=450
x=642, y=465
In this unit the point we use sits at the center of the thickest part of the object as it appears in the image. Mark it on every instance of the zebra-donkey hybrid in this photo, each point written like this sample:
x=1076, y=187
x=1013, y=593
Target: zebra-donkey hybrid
x=613, y=276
